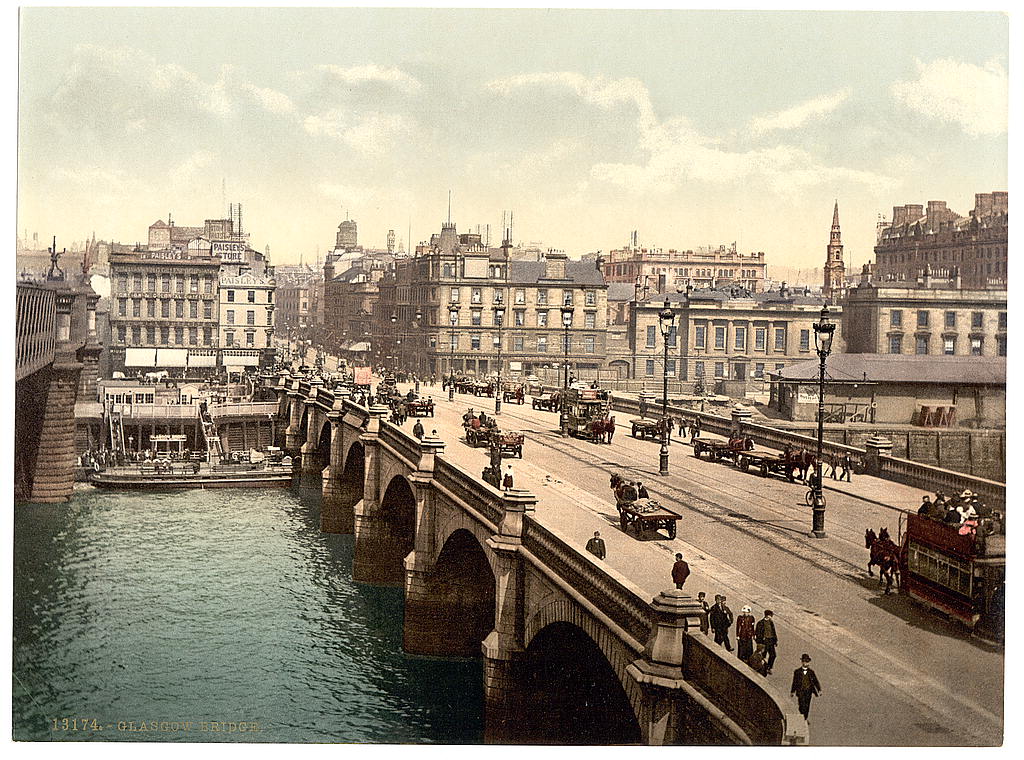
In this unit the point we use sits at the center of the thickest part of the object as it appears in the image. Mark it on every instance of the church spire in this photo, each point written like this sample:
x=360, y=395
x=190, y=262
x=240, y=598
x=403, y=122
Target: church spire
x=835, y=216
x=835, y=268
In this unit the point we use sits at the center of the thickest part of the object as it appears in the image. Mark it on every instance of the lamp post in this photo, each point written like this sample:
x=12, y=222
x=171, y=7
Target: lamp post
x=499, y=319
x=418, y=348
x=453, y=318
x=395, y=341
x=823, y=333
x=666, y=321
x=567, y=312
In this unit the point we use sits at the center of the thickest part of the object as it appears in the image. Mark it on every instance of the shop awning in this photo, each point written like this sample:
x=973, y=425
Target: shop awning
x=202, y=360
x=172, y=357
x=360, y=346
x=140, y=357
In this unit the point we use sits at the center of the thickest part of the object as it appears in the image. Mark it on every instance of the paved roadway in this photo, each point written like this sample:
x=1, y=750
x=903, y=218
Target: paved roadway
x=892, y=671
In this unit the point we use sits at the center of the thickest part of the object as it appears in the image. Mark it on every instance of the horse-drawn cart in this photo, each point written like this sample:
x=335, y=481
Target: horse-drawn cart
x=718, y=450
x=781, y=464
x=644, y=428
x=509, y=442
x=549, y=402
x=513, y=395
x=646, y=514
x=420, y=407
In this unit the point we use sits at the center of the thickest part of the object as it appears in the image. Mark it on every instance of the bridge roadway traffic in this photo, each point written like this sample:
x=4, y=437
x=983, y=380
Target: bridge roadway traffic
x=892, y=672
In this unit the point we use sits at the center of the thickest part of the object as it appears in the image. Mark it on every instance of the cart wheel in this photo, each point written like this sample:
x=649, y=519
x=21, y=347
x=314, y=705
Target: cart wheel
x=742, y=463
x=764, y=470
x=672, y=529
x=623, y=523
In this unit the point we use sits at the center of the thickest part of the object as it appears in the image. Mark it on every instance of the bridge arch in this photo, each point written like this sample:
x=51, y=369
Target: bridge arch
x=323, y=445
x=450, y=609
x=343, y=492
x=396, y=530
x=304, y=423
x=587, y=699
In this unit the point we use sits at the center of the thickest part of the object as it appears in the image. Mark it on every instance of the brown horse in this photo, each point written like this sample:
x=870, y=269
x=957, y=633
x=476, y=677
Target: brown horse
x=886, y=554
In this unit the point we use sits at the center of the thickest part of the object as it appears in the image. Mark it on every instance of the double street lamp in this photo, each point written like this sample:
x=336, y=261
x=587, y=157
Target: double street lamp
x=499, y=319
x=453, y=319
x=823, y=334
x=667, y=323
x=567, y=312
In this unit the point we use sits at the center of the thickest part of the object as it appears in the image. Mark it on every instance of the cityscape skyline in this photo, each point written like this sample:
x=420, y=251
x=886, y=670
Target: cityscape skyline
x=694, y=128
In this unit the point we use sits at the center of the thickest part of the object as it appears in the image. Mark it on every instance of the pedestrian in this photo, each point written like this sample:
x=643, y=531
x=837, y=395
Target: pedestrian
x=641, y=491
x=596, y=545
x=417, y=430
x=925, y=510
x=703, y=602
x=695, y=429
x=767, y=638
x=847, y=463
x=643, y=406
x=680, y=571
x=610, y=428
x=805, y=685
x=682, y=428
x=669, y=424
x=745, y=634
x=506, y=482
x=721, y=618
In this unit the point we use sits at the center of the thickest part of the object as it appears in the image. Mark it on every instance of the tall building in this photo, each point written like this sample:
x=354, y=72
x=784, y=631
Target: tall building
x=412, y=327
x=658, y=271
x=835, y=269
x=347, y=237
x=939, y=243
x=246, y=320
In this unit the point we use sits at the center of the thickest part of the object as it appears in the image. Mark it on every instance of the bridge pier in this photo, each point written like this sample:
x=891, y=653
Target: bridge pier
x=53, y=473
x=292, y=442
x=336, y=502
x=372, y=535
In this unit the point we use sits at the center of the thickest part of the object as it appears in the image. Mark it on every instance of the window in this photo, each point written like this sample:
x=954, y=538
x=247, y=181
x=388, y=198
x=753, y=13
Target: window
x=193, y=309
x=193, y=284
x=805, y=340
x=270, y=317
x=229, y=338
x=950, y=320
x=150, y=307
x=977, y=345
x=136, y=335
x=698, y=369
x=895, y=344
x=949, y=346
x=270, y=296
x=520, y=295
x=499, y=296
x=179, y=335
x=137, y=283
x=760, y=338
x=719, y=337
x=122, y=307
x=921, y=344
x=519, y=318
x=670, y=368
x=542, y=344
x=589, y=344
x=193, y=336
x=977, y=320
x=780, y=338
x=231, y=296
x=165, y=284
x=672, y=336
x=590, y=320
x=122, y=283
x=517, y=342
x=151, y=283
x=922, y=318
x=475, y=317
x=165, y=307
x=779, y=366
x=1002, y=320
x=150, y=335
x=652, y=332
x=590, y=298
x=207, y=310
x=719, y=369
x=252, y=296
x=740, y=342
x=649, y=367
x=136, y=307
x=700, y=336
x=179, y=285
x=939, y=568
x=759, y=369
x=250, y=317
x=896, y=318
x=542, y=295
x=1001, y=345
x=208, y=335
x=250, y=338
x=231, y=316
x=476, y=294
x=567, y=298
x=542, y=319
x=120, y=333
x=207, y=284
x=454, y=295
x=165, y=335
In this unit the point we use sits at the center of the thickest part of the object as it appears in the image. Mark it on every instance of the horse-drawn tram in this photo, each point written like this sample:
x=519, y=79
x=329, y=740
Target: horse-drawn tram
x=641, y=513
x=961, y=575
x=586, y=409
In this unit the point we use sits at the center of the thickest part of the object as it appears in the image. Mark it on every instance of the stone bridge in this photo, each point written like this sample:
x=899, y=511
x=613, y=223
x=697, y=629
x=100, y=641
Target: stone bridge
x=573, y=653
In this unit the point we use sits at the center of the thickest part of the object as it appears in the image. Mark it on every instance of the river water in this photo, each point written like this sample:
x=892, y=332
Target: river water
x=189, y=616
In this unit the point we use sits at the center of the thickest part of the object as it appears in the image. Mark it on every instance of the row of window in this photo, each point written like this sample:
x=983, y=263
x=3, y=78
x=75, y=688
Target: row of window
x=942, y=569
x=740, y=337
x=922, y=345
x=986, y=252
x=250, y=296
x=165, y=308
x=167, y=281
x=181, y=336
x=589, y=343
x=949, y=319
x=719, y=367
x=250, y=317
x=542, y=319
x=476, y=295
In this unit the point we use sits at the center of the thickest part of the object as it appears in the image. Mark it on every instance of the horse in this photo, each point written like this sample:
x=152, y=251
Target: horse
x=798, y=461
x=597, y=430
x=739, y=443
x=884, y=553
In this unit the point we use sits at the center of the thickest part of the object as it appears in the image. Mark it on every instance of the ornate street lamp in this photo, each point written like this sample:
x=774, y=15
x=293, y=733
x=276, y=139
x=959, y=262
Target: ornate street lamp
x=567, y=312
x=667, y=322
x=499, y=319
x=417, y=348
x=453, y=318
x=823, y=333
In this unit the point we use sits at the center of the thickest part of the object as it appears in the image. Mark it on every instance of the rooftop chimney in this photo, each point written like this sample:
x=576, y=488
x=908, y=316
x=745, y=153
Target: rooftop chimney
x=554, y=266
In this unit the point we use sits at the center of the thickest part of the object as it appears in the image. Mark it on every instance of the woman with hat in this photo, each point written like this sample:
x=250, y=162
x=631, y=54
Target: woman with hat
x=745, y=634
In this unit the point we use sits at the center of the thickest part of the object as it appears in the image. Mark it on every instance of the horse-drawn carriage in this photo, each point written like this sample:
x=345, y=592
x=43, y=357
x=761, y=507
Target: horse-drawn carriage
x=586, y=409
x=641, y=514
x=420, y=407
x=508, y=442
x=513, y=394
x=645, y=428
x=718, y=450
x=482, y=388
x=549, y=402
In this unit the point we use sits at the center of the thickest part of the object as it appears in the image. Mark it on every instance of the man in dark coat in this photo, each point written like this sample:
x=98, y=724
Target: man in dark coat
x=721, y=619
x=805, y=685
x=596, y=545
x=680, y=571
x=767, y=638
x=417, y=429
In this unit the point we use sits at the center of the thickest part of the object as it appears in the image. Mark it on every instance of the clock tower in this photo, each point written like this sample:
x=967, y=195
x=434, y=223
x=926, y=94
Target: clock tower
x=835, y=269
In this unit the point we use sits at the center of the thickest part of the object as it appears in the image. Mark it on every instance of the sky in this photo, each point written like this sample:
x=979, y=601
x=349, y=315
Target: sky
x=693, y=128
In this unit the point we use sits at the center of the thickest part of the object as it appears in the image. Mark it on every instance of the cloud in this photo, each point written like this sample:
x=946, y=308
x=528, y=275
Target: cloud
x=186, y=171
x=373, y=133
x=974, y=97
x=797, y=116
x=271, y=100
x=372, y=74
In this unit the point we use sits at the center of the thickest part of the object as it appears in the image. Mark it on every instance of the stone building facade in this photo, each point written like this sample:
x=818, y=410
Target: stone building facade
x=925, y=321
x=247, y=320
x=939, y=243
x=412, y=327
x=658, y=271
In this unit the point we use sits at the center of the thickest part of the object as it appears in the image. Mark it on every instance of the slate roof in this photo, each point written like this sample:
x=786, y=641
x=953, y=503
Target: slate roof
x=889, y=368
x=792, y=296
x=576, y=272
x=621, y=291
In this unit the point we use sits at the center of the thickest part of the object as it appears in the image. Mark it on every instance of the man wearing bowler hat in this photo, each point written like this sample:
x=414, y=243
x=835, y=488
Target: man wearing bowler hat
x=805, y=685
